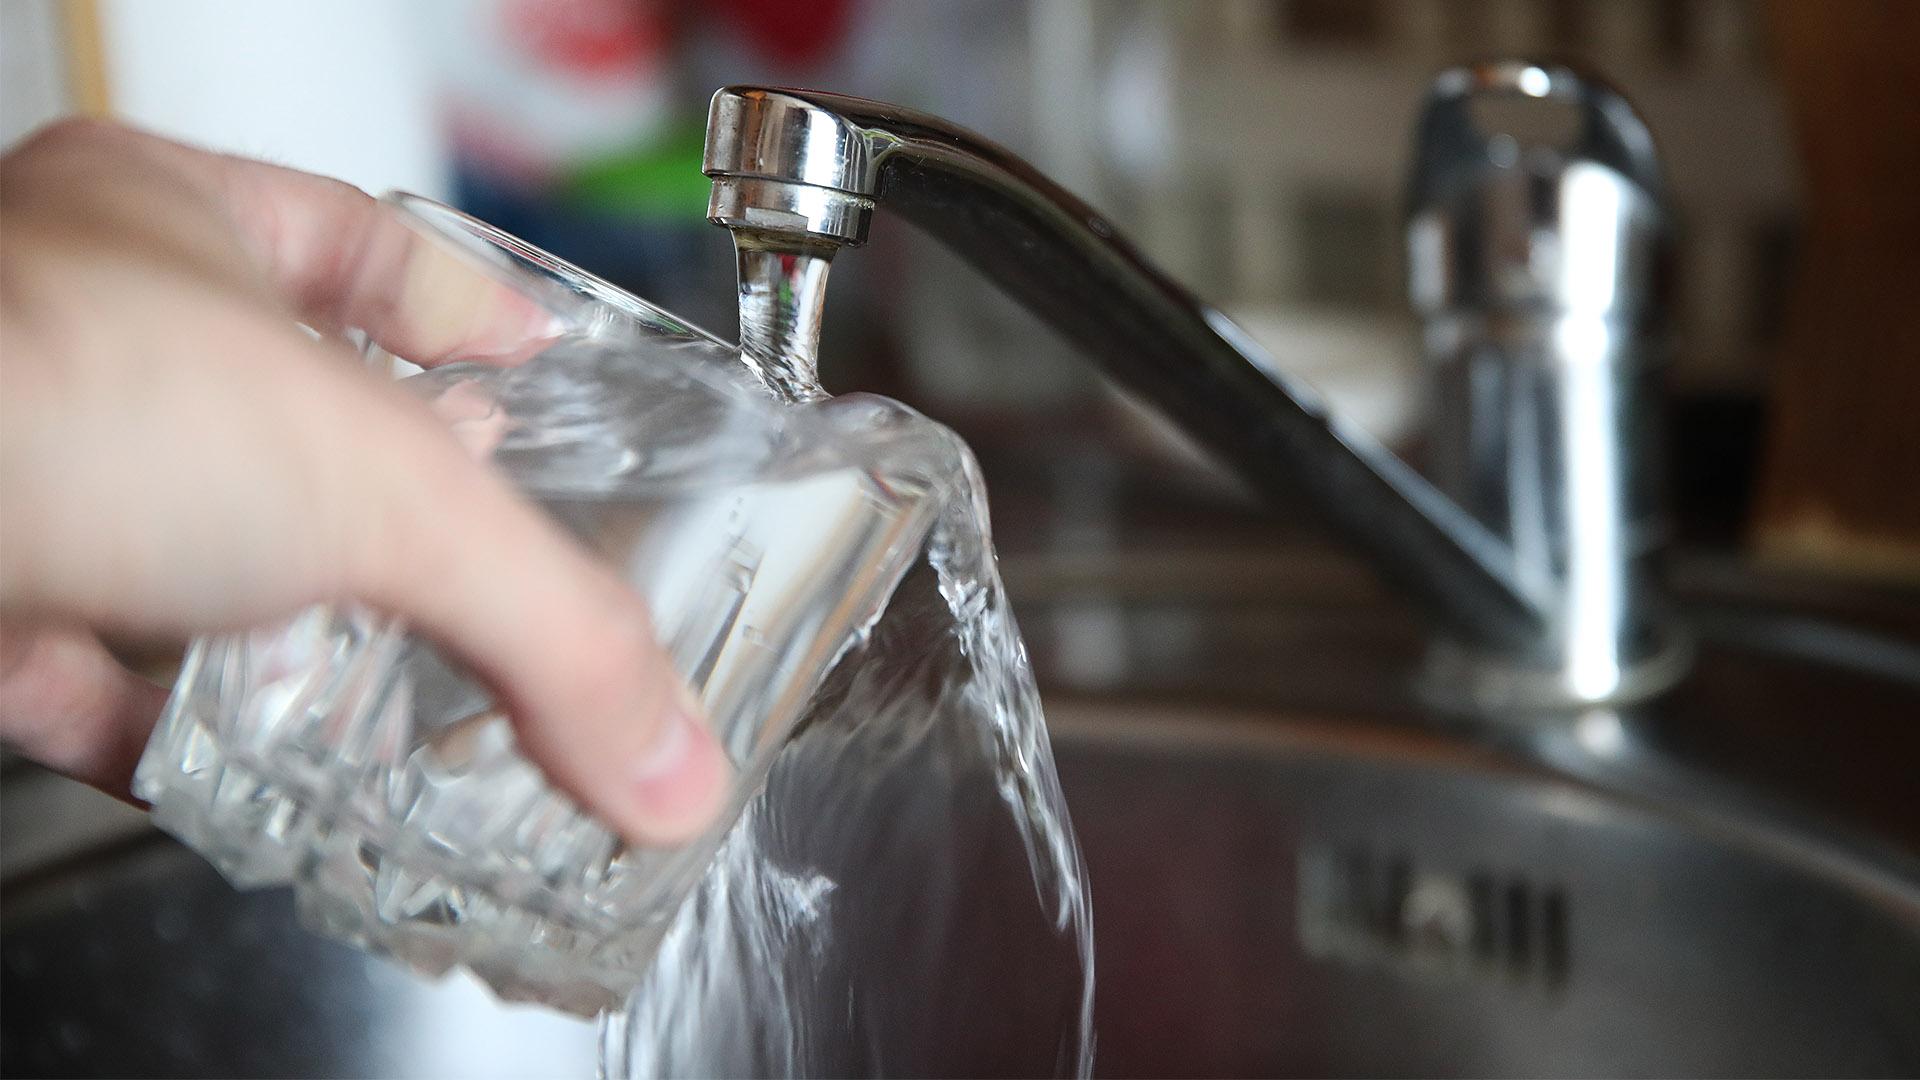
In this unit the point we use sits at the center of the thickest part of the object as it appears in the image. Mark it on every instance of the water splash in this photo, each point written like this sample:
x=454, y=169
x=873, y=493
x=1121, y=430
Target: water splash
x=906, y=895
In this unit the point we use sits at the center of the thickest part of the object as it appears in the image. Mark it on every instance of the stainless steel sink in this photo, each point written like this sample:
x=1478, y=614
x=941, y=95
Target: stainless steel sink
x=1400, y=905
x=1295, y=870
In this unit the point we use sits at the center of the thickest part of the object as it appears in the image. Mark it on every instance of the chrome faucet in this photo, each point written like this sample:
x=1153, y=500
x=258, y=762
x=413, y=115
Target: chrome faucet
x=1536, y=267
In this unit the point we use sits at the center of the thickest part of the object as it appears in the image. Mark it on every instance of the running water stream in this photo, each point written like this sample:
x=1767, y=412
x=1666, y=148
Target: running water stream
x=905, y=896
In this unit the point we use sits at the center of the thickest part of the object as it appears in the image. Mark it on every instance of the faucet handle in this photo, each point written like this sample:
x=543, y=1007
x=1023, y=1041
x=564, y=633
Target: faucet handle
x=1537, y=258
x=1610, y=132
x=1566, y=224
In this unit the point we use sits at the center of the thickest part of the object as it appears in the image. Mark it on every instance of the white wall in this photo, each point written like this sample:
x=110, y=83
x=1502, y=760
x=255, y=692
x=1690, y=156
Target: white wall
x=333, y=87
x=33, y=86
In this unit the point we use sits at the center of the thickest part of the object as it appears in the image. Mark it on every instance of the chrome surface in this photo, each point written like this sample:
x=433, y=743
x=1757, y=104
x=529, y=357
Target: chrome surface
x=1535, y=263
x=752, y=204
x=1066, y=262
x=1295, y=871
x=1537, y=589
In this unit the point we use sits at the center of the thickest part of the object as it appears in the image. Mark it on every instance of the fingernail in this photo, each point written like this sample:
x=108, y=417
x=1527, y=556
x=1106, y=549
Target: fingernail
x=679, y=781
x=474, y=416
x=517, y=329
x=669, y=751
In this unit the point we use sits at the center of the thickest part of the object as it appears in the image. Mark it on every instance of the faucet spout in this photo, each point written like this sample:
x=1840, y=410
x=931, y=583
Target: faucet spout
x=800, y=172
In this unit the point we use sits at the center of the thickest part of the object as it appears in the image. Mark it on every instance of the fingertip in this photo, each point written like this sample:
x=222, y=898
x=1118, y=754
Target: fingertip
x=677, y=785
x=624, y=733
x=634, y=750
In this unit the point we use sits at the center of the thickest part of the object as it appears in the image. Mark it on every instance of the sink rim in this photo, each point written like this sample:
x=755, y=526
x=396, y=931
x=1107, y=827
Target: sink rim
x=1717, y=813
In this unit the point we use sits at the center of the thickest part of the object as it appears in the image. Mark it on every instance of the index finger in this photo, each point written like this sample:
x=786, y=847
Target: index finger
x=342, y=258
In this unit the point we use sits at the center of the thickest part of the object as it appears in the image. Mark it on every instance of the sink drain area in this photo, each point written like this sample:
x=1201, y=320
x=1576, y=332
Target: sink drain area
x=1378, y=907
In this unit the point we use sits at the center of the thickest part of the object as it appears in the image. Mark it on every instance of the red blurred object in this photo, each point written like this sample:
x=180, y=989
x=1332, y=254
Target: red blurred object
x=589, y=38
x=785, y=31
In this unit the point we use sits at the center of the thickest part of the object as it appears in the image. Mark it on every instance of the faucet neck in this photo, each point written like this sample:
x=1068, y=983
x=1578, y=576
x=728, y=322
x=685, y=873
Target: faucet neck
x=797, y=174
x=809, y=168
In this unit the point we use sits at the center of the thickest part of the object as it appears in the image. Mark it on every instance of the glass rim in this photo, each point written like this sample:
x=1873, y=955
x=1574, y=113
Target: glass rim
x=562, y=287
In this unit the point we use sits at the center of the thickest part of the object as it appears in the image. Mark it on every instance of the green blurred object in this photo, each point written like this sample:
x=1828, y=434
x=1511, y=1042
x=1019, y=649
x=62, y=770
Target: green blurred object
x=659, y=181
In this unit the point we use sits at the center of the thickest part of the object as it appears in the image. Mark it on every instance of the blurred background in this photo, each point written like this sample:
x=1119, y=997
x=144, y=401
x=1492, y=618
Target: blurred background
x=1255, y=148
x=1258, y=150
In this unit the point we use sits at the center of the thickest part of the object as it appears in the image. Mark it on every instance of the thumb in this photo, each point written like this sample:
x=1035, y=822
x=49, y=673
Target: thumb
x=446, y=544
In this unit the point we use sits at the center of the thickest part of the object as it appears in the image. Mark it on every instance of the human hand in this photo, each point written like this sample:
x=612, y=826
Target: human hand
x=178, y=456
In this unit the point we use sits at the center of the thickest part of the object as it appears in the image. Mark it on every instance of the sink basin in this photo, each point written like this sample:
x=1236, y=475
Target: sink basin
x=1400, y=905
x=1295, y=871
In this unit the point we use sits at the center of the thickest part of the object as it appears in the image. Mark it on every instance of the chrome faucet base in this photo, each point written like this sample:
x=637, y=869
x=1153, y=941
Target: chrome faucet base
x=1458, y=680
x=1535, y=261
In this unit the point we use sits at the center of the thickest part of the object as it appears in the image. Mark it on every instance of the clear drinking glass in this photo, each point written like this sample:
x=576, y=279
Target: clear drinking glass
x=342, y=755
